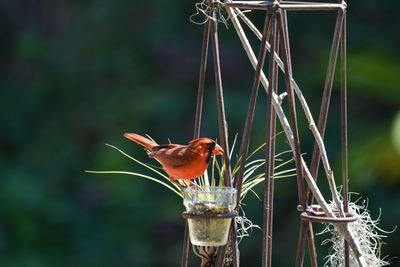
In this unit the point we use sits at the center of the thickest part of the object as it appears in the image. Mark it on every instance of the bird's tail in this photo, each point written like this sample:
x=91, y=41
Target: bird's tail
x=141, y=140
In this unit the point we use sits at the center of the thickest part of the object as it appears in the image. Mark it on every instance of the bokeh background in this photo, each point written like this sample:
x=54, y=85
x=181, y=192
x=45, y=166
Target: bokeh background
x=75, y=75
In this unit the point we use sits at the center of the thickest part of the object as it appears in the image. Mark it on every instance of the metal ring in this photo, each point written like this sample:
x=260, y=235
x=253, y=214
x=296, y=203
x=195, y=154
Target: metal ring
x=189, y=215
x=321, y=218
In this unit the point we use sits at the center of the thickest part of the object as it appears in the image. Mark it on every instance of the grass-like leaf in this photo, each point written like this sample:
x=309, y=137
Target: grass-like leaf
x=141, y=176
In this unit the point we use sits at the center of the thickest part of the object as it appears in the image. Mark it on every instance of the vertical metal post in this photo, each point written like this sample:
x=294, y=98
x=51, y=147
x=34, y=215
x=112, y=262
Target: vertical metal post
x=222, y=125
x=202, y=74
x=311, y=245
x=186, y=244
x=301, y=243
x=270, y=147
x=343, y=101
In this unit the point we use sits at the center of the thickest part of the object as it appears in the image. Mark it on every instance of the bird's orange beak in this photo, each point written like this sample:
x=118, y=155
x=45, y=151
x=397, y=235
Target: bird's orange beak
x=218, y=151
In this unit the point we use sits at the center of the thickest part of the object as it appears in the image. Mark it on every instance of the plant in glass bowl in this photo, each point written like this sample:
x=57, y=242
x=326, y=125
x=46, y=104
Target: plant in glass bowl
x=209, y=211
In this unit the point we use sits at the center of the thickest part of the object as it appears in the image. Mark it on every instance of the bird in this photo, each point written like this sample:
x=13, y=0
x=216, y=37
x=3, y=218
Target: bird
x=186, y=162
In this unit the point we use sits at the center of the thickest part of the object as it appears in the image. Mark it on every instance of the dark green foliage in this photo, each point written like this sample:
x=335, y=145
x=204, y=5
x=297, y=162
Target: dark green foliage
x=77, y=74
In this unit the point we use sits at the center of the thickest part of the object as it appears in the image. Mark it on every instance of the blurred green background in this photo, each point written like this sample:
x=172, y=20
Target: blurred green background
x=75, y=75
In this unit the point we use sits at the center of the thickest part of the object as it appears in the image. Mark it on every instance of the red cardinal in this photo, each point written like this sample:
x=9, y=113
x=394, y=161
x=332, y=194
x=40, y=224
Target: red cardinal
x=180, y=161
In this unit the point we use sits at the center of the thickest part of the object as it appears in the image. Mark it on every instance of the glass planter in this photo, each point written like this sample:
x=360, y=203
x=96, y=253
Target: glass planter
x=209, y=211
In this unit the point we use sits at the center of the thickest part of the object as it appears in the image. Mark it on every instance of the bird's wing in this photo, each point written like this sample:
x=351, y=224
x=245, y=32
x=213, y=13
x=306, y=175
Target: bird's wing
x=172, y=155
x=166, y=146
x=161, y=149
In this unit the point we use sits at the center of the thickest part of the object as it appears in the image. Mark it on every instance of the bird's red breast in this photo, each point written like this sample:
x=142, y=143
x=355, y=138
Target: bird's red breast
x=185, y=162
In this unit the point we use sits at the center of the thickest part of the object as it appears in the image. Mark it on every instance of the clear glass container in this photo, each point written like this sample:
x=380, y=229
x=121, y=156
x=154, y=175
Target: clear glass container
x=209, y=202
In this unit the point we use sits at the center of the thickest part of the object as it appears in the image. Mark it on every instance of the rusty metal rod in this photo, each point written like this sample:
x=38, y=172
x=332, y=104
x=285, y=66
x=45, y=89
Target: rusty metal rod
x=222, y=124
x=343, y=104
x=323, y=219
x=268, y=5
x=202, y=74
x=234, y=244
x=312, y=6
x=255, y=5
x=186, y=244
x=221, y=251
x=306, y=232
x=270, y=148
x=303, y=2
x=272, y=153
x=301, y=244
x=311, y=245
